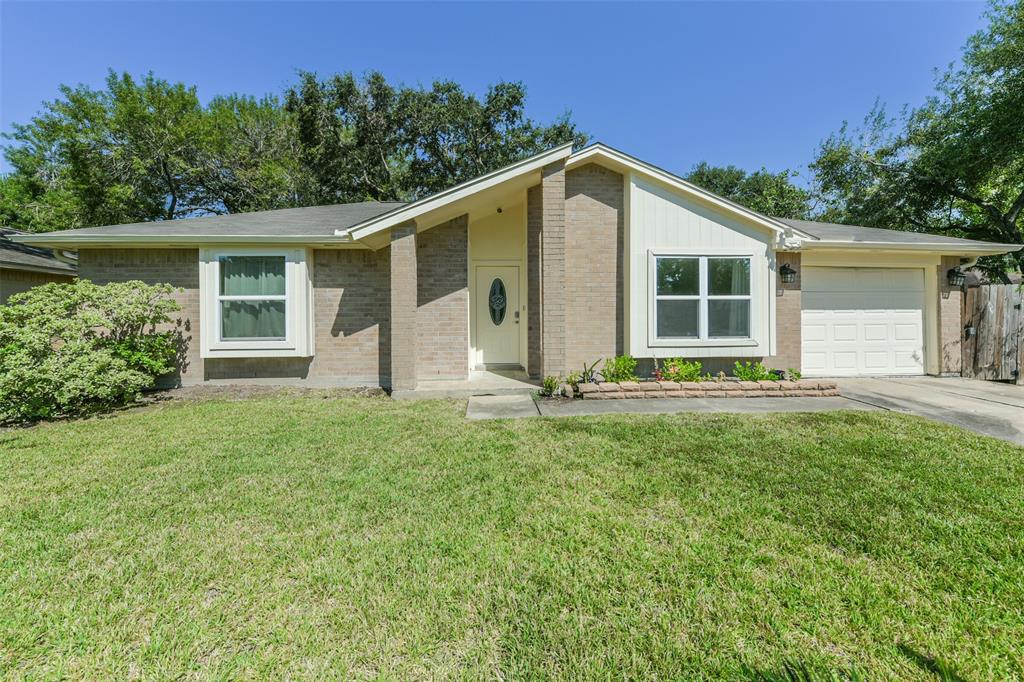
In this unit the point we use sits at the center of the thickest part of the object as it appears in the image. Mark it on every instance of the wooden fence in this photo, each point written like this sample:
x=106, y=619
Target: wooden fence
x=993, y=345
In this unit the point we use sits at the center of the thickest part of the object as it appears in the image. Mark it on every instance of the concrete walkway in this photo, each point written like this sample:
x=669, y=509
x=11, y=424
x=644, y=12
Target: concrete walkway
x=984, y=407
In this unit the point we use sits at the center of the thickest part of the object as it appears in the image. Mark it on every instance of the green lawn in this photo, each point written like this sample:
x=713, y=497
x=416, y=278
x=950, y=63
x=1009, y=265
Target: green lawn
x=305, y=537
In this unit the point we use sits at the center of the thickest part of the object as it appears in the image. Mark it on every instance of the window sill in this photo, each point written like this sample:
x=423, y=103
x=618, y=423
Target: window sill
x=703, y=343
x=260, y=351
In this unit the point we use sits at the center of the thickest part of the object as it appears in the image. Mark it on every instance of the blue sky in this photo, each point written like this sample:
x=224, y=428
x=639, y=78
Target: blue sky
x=751, y=84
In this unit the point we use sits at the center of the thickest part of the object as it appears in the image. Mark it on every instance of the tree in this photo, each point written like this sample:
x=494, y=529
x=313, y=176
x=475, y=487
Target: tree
x=149, y=150
x=954, y=165
x=369, y=140
x=772, y=194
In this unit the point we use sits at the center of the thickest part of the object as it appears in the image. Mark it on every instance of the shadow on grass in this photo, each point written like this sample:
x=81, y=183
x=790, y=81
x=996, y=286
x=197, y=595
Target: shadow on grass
x=799, y=671
x=942, y=671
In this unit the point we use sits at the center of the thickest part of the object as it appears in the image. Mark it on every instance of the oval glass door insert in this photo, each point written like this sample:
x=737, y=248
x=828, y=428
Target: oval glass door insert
x=497, y=301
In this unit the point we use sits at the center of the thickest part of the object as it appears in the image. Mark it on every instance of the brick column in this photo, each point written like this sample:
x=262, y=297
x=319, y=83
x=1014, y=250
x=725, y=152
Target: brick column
x=552, y=238
x=950, y=323
x=788, y=330
x=403, y=308
x=534, y=222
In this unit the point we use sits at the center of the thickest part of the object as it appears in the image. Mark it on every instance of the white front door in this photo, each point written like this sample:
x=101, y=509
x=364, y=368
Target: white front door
x=496, y=314
x=862, y=321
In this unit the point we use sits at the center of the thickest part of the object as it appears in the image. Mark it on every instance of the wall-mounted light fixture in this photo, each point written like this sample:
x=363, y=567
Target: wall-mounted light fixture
x=956, y=277
x=787, y=274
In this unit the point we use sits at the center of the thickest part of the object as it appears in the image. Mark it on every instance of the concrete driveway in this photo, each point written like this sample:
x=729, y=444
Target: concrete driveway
x=986, y=407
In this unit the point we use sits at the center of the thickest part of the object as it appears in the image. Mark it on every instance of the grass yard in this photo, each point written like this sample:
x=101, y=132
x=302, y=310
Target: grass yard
x=302, y=537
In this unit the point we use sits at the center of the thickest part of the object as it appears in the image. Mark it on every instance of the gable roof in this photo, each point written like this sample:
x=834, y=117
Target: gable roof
x=619, y=160
x=15, y=256
x=830, y=235
x=434, y=202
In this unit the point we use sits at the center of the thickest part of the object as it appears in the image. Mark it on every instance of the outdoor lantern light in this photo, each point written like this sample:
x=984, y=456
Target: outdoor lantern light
x=787, y=274
x=956, y=277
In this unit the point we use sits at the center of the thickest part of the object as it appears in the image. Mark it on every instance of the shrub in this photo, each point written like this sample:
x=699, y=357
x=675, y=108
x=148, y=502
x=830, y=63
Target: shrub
x=678, y=369
x=71, y=349
x=550, y=386
x=619, y=368
x=748, y=371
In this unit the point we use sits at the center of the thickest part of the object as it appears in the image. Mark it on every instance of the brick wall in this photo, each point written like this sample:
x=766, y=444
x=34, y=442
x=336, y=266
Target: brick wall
x=404, y=354
x=594, y=252
x=177, y=267
x=787, y=316
x=351, y=305
x=351, y=300
x=443, y=301
x=16, y=281
x=950, y=319
x=553, y=310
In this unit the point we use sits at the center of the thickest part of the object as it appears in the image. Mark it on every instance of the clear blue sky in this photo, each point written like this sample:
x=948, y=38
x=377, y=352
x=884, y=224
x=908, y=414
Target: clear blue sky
x=751, y=84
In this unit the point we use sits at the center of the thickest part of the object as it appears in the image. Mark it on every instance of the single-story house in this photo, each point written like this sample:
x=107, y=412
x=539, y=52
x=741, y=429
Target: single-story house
x=23, y=267
x=558, y=260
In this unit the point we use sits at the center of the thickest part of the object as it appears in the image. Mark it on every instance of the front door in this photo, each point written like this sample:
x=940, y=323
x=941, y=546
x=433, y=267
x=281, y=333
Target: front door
x=497, y=314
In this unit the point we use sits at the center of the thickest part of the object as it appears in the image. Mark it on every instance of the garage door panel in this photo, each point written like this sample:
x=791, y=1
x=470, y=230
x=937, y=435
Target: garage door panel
x=862, y=321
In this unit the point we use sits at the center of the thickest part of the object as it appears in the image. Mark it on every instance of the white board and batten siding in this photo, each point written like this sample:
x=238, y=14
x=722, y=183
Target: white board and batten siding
x=662, y=222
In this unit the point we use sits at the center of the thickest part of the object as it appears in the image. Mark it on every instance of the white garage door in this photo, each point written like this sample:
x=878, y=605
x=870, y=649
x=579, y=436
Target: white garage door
x=862, y=321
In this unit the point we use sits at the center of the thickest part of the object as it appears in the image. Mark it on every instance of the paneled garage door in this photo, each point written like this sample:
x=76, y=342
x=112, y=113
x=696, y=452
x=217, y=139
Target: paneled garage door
x=862, y=321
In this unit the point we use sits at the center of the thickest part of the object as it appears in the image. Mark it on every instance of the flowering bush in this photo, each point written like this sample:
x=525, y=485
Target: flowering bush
x=71, y=349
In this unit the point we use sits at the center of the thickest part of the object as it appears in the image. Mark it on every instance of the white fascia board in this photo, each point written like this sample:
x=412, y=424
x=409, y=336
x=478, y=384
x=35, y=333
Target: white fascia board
x=411, y=211
x=981, y=249
x=63, y=241
x=600, y=151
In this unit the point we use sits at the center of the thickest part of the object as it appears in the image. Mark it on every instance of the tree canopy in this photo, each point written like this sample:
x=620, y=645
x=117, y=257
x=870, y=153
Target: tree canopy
x=148, y=149
x=955, y=164
x=773, y=194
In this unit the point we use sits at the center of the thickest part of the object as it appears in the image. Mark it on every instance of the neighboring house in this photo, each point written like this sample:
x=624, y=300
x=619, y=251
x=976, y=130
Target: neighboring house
x=562, y=259
x=23, y=267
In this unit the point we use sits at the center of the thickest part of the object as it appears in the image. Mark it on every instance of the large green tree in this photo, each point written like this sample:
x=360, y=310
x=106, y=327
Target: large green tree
x=144, y=150
x=368, y=139
x=953, y=165
x=773, y=194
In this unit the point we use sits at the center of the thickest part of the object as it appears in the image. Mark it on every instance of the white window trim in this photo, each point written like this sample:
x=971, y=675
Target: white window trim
x=703, y=297
x=298, y=341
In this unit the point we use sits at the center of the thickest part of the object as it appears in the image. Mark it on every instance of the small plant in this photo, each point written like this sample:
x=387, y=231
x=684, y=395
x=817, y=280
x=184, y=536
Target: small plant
x=658, y=373
x=753, y=371
x=679, y=369
x=619, y=368
x=793, y=375
x=550, y=386
x=573, y=380
x=589, y=374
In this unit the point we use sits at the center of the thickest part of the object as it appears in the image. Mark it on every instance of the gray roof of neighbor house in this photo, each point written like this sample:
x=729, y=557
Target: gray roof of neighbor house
x=854, y=234
x=16, y=256
x=311, y=222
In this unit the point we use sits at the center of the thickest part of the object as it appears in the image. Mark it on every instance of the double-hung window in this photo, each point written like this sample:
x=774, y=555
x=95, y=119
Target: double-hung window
x=252, y=298
x=255, y=302
x=701, y=298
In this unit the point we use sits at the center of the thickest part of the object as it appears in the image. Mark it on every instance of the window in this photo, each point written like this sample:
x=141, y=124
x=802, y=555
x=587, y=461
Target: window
x=255, y=302
x=702, y=297
x=252, y=298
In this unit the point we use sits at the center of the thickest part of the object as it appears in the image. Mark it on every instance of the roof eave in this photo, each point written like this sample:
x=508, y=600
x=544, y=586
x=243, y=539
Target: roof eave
x=983, y=249
x=58, y=241
x=24, y=267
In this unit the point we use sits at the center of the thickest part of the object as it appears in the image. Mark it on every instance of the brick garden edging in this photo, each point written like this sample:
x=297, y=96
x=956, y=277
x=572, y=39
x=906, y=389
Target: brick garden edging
x=804, y=388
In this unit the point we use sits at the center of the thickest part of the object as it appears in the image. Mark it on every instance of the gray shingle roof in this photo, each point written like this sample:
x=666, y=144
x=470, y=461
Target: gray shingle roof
x=834, y=232
x=312, y=221
x=23, y=257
